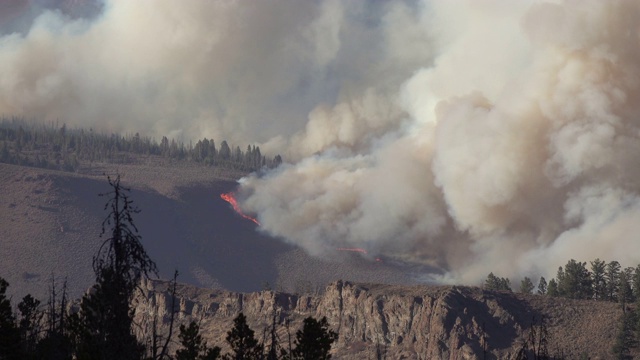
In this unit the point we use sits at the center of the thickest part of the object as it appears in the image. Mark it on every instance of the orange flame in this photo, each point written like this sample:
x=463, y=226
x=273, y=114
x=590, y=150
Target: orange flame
x=228, y=197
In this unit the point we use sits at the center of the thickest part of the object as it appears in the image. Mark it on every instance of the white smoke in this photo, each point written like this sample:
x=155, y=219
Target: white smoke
x=514, y=149
x=473, y=135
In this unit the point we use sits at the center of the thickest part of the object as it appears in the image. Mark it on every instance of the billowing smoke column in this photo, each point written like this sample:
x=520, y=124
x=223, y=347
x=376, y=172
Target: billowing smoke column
x=515, y=150
x=476, y=136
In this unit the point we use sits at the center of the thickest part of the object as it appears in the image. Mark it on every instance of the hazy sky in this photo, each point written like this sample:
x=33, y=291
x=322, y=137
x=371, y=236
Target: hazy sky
x=477, y=135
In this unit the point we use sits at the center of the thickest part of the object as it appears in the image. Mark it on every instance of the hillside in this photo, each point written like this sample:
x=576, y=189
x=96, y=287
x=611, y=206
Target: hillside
x=50, y=223
x=401, y=322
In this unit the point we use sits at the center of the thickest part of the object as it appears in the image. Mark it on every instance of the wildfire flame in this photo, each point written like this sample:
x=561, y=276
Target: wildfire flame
x=228, y=197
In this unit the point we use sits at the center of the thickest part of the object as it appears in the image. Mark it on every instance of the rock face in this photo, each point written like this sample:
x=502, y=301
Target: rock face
x=396, y=322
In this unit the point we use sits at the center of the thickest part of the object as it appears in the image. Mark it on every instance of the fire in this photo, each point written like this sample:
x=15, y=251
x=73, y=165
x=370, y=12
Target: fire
x=228, y=197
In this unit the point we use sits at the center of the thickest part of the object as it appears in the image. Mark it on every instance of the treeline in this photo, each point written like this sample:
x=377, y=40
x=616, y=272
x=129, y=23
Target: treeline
x=62, y=148
x=100, y=325
x=50, y=332
x=598, y=281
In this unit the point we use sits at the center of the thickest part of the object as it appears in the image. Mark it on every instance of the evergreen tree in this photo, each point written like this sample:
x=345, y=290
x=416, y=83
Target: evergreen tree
x=612, y=277
x=598, y=269
x=242, y=341
x=625, y=294
x=552, y=288
x=225, y=151
x=30, y=323
x=624, y=339
x=575, y=281
x=542, y=286
x=636, y=283
x=526, y=286
x=103, y=327
x=496, y=283
x=314, y=341
x=9, y=333
x=193, y=346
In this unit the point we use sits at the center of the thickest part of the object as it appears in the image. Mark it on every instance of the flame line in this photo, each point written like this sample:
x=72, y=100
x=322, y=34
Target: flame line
x=228, y=197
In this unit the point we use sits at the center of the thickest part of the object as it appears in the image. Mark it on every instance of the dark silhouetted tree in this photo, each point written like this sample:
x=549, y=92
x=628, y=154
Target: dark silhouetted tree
x=193, y=346
x=225, y=151
x=9, y=333
x=57, y=340
x=314, y=341
x=104, y=323
x=30, y=323
x=242, y=341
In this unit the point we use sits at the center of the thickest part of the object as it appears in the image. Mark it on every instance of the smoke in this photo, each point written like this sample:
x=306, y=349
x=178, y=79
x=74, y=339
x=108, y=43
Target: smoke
x=244, y=72
x=514, y=149
x=475, y=136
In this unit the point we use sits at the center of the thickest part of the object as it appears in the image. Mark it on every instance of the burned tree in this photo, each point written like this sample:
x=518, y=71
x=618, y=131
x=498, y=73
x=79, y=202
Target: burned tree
x=103, y=326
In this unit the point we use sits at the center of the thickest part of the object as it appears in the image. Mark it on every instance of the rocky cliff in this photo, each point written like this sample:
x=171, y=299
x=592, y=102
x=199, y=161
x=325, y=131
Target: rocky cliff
x=397, y=322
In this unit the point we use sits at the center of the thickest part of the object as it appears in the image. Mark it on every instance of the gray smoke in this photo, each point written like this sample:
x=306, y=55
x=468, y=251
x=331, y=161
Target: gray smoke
x=476, y=136
x=513, y=150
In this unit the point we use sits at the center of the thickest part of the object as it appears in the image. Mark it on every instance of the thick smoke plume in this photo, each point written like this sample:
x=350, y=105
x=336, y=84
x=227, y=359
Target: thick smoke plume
x=475, y=136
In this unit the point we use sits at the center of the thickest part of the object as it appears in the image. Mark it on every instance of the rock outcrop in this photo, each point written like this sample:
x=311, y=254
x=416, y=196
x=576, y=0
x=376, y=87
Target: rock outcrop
x=396, y=322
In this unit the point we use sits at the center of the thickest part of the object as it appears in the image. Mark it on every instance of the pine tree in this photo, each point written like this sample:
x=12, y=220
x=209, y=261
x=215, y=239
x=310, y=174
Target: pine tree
x=103, y=327
x=612, y=277
x=542, y=286
x=624, y=338
x=314, y=341
x=552, y=288
x=30, y=323
x=193, y=346
x=575, y=281
x=636, y=283
x=497, y=283
x=9, y=334
x=526, y=286
x=625, y=294
x=598, y=268
x=241, y=338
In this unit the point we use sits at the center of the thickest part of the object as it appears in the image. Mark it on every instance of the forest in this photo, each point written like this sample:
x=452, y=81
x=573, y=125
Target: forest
x=601, y=281
x=58, y=147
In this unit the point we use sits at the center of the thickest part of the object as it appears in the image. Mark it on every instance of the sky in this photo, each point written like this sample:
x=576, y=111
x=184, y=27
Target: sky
x=469, y=135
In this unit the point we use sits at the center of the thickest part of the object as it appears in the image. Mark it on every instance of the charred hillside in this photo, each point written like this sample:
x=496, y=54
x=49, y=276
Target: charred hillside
x=50, y=224
x=393, y=322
